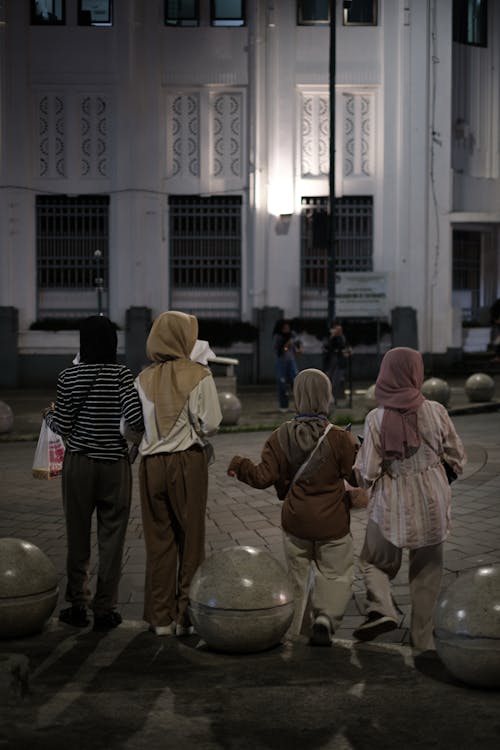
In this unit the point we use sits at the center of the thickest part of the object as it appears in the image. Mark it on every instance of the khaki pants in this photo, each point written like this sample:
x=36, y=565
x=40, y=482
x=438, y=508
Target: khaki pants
x=380, y=562
x=174, y=488
x=103, y=486
x=331, y=563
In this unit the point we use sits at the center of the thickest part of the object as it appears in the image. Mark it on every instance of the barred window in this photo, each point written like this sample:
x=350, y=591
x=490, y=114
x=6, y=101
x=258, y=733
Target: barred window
x=353, y=233
x=205, y=253
x=70, y=229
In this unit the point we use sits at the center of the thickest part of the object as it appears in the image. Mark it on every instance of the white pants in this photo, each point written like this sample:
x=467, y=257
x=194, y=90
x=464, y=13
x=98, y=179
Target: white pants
x=380, y=561
x=330, y=564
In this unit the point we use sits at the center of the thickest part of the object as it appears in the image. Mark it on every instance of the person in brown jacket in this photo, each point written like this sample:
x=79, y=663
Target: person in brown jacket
x=307, y=459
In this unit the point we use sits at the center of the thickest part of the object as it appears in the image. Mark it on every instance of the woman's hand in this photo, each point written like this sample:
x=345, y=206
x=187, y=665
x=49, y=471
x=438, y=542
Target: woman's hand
x=231, y=473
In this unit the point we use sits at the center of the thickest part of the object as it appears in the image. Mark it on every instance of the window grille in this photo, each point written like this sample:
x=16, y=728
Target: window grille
x=70, y=229
x=354, y=244
x=205, y=253
x=467, y=268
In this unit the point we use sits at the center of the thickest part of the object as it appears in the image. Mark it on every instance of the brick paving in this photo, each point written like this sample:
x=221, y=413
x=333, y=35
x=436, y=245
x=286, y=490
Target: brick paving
x=31, y=509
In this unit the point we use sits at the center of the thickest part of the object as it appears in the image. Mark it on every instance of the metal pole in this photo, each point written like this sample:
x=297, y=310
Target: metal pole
x=331, y=223
x=99, y=281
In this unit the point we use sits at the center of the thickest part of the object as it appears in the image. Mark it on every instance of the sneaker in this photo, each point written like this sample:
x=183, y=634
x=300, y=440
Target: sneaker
x=163, y=630
x=181, y=631
x=283, y=409
x=108, y=620
x=374, y=625
x=75, y=615
x=321, y=632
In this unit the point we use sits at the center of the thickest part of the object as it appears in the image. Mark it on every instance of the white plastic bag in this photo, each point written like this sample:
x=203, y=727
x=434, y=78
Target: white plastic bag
x=49, y=454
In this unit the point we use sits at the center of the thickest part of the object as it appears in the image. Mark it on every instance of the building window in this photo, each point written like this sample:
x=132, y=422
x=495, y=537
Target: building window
x=72, y=248
x=470, y=22
x=205, y=253
x=95, y=12
x=181, y=13
x=48, y=12
x=360, y=12
x=467, y=271
x=353, y=233
x=313, y=12
x=227, y=12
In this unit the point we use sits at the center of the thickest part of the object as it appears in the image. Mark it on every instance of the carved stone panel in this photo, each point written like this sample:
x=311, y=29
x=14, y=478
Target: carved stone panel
x=183, y=128
x=226, y=116
x=315, y=132
x=93, y=136
x=52, y=136
x=358, y=134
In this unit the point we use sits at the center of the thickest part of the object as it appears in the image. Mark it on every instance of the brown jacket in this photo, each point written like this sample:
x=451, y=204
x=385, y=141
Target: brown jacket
x=316, y=506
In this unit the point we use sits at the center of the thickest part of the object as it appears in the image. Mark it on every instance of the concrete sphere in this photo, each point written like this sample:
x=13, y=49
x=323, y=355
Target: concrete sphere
x=6, y=417
x=240, y=600
x=436, y=389
x=370, y=401
x=467, y=627
x=230, y=406
x=28, y=588
x=480, y=387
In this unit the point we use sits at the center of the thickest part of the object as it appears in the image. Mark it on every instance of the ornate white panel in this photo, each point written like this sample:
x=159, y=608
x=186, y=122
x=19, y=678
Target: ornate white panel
x=226, y=122
x=52, y=136
x=315, y=131
x=94, y=114
x=183, y=129
x=358, y=118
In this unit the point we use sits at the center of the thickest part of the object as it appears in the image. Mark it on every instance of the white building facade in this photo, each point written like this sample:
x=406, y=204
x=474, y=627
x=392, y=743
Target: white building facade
x=176, y=155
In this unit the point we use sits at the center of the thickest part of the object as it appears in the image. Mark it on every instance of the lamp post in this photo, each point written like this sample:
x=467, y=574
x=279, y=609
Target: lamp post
x=98, y=281
x=331, y=263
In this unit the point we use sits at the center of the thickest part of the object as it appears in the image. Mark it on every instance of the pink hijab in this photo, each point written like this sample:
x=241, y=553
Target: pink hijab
x=398, y=390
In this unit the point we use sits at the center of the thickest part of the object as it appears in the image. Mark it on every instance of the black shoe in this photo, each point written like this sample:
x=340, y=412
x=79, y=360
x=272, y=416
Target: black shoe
x=321, y=632
x=107, y=621
x=75, y=615
x=374, y=625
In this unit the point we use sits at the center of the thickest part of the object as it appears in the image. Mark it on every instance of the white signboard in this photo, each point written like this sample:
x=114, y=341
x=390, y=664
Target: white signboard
x=361, y=295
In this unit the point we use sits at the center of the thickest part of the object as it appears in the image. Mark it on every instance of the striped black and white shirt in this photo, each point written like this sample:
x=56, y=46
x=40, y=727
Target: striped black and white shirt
x=91, y=399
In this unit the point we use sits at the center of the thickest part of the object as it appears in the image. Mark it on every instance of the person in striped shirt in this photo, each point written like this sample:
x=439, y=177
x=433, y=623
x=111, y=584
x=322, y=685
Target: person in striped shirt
x=92, y=397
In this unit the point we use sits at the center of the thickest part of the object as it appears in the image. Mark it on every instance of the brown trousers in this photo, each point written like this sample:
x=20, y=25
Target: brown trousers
x=174, y=489
x=103, y=486
x=380, y=562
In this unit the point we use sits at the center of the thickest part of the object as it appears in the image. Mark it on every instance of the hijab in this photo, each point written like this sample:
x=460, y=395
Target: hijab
x=98, y=341
x=173, y=375
x=398, y=390
x=312, y=392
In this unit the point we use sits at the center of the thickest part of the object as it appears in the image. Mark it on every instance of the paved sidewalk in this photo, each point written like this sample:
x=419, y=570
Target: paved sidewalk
x=129, y=689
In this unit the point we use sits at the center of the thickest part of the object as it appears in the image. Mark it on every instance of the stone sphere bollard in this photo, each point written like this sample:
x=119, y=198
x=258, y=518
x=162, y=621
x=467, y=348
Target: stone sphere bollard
x=480, y=387
x=230, y=406
x=240, y=600
x=6, y=417
x=436, y=389
x=467, y=627
x=28, y=588
x=370, y=401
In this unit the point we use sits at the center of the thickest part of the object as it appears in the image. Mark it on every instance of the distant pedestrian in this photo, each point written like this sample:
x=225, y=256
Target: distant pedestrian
x=336, y=357
x=180, y=406
x=92, y=397
x=286, y=346
x=406, y=439
x=307, y=460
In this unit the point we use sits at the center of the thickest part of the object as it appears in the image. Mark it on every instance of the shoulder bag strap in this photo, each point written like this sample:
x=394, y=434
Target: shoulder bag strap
x=303, y=466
